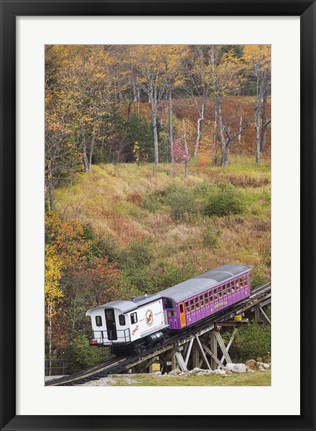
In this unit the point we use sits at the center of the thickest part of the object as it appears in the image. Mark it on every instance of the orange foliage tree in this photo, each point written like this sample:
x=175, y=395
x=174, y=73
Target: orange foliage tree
x=76, y=278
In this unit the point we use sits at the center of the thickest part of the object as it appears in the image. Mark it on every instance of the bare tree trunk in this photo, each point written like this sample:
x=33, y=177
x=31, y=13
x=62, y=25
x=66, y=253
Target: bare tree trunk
x=155, y=132
x=229, y=138
x=51, y=194
x=170, y=125
x=49, y=339
x=186, y=152
x=91, y=150
x=226, y=148
x=199, y=129
x=264, y=122
x=138, y=102
x=215, y=134
x=239, y=136
x=84, y=154
x=221, y=127
x=257, y=122
x=50, y=188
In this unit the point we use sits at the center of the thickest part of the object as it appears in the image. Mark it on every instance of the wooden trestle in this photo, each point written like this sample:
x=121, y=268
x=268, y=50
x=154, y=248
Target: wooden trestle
x=206, y=347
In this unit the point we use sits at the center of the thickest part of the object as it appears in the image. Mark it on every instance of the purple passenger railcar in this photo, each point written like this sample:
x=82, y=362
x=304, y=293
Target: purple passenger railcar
x=188, y=302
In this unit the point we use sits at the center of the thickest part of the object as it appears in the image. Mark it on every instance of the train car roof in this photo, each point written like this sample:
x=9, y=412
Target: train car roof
x=127, y=306
x=202, y=282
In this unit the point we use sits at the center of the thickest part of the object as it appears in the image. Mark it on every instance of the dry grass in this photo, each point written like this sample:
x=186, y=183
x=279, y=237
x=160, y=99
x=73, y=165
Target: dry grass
x=110, y=199
x=243, y=379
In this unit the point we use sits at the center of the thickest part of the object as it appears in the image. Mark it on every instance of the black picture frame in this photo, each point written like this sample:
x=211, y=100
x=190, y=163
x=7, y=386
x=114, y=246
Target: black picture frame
x=9, y=11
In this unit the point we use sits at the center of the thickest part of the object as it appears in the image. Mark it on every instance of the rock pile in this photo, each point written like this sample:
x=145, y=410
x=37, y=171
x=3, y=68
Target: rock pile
x=249, y=367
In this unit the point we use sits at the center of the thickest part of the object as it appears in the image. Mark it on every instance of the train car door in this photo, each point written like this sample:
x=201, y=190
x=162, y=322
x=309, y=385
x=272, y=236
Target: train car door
x=182, y=315
x=110, y=324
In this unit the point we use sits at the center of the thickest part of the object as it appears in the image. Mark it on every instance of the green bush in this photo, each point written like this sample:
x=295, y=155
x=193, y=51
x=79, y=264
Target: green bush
x=153, y=202
x=210, y=236
x=252, y=342
x=81, y=355
x=258, y=277
x=137, y=255
x=158, y=276
x=225, y=200
x=181, y=201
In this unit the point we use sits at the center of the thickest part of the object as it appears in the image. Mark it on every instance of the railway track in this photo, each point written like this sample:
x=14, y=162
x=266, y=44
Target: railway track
x=119, y=364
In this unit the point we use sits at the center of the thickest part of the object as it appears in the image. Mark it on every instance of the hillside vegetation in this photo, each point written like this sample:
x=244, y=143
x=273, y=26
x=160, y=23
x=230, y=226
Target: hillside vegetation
x=162, y=229
x=127, y=229
x=157, y=168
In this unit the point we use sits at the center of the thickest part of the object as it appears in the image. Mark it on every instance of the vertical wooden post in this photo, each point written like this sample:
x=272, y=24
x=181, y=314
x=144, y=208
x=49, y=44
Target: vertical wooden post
x=173, y=362
x=257, y=315
x=213, y=346
x=195, y=356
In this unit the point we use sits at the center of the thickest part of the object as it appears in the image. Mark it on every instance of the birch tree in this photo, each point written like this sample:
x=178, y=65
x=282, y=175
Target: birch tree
x=197, y=72
x=226, y=78
x=258, y=60
x=149, y=66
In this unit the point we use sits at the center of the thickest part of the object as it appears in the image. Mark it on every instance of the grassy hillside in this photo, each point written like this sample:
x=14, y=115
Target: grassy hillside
x=162, y=229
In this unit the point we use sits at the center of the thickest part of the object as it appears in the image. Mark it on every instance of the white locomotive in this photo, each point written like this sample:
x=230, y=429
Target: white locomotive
x=122, y=323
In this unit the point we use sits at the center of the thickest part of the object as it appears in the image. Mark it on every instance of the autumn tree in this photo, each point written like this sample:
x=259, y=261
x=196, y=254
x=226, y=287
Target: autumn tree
x=173, y=57
x=77, y=277
x=198, y=85
x=78, y=86
x=258, y=60
x=53, y=292
x=226, y=78
x=149, y=63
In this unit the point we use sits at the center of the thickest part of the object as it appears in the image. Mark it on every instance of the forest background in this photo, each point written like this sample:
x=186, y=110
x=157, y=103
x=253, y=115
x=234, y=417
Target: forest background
x=157, y=168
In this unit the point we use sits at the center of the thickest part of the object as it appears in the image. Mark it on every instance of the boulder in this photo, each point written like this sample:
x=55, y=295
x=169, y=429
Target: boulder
x=219, y=372
x=264, y=365
x=236, y=368
x=251, y=363
x=175, y=372
x=196, y=370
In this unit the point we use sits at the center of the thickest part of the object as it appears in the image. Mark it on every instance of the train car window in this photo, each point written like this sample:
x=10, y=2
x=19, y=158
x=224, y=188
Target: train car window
x=197, y=305
x=229, y=289
x=245, y=280
x=172, y=313
x=215, y=294
x=187, y=307
x=220, y=293
x=211, y=296
x=201, y=300
x=224, y=290
x=206, y=298
x=98, y=320
x=134, y=318
x=167, y=303
x=233, y=286
x=122, y=320
x=192, y=304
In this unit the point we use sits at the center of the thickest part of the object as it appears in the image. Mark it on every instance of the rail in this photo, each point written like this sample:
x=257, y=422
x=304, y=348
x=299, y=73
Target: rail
x=118, y=365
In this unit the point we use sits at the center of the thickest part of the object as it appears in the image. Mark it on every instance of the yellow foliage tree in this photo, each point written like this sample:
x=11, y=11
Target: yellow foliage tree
x=258, y=61
x=53, y=292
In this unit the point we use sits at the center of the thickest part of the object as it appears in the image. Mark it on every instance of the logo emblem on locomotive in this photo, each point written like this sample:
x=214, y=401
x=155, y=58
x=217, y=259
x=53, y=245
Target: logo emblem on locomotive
x=149, y=317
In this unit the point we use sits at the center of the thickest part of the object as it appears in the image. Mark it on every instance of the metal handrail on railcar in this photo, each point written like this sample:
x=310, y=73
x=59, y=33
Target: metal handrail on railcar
x=122, y=335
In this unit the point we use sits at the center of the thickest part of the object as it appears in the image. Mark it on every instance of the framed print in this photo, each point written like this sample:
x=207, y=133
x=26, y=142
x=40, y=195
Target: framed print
x=133, y=191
